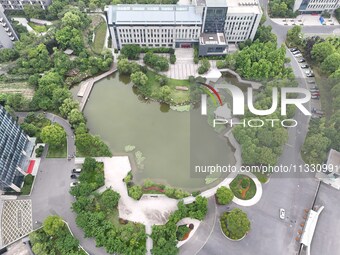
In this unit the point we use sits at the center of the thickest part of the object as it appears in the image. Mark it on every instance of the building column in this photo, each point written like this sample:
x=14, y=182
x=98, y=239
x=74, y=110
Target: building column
x=14, y=187
x=21, y=171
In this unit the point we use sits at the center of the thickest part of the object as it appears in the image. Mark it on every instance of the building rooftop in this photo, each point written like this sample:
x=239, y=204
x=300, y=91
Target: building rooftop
x=216, y=39
x=333, y=158
x=152, y=14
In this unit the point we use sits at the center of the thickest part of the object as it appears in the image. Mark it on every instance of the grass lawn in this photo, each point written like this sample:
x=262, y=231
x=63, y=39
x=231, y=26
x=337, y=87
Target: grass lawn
x=179, y=97
x=60, y=152
x=38, y=28
x=99, y=39
x=241, y=191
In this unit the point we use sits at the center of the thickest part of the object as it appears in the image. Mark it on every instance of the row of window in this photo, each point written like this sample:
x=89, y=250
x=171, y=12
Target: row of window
x=239, y=17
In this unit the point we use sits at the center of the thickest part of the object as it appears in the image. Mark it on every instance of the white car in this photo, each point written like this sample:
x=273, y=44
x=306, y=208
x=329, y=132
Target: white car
x=282, y=214
x=298, y=55
x=72, y=184
x=76, y=170
x=296, y=52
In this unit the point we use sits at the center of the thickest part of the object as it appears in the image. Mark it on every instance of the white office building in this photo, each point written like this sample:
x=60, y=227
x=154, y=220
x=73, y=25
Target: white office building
x=211, y=24
x=19, y=4
x=316, y=6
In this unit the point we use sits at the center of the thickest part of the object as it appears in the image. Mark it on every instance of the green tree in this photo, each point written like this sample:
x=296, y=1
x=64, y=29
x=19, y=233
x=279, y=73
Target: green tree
x=264, y=34
x=224, y=195
x=322, y=50
x=75, y=117
x=69, y=37
x=67, y=106
x=52, y=225
x=331, y=63
x=139, y=79
x=165, y=93
x=294, y=36
x=315, y=148
x=93, y=146
x=54, y=135
x=237, y=223
x=131, y=51
x=59, y=96
x=135, y=192
x=124, y=66
x=109, y=199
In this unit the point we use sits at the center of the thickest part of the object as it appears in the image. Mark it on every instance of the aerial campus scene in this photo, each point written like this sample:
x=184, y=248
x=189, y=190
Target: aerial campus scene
x=169, y=127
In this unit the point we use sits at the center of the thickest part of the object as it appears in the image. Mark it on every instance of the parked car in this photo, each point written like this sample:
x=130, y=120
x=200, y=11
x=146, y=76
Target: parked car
x=298, y=55
x=301, y=60
x=316, y=111
x=73, y=176
x=282, y=213
x=311, y=81
x=310, y=75
x=296, y=52
x=304, y=66
x=316, y=116
x=314, y=91
x=293, y=49
x=315, y=97
x=314, y=88
x=316, y=94
x=308, y=71
x=72, y=184
x=76, y=170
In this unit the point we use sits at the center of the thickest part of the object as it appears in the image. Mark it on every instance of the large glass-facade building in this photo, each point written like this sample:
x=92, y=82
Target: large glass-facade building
x=15, y=151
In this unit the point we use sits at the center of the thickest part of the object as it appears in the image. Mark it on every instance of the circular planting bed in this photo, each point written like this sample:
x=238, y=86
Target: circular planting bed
x=183, y=231
x=235, y=224
x=243, y=187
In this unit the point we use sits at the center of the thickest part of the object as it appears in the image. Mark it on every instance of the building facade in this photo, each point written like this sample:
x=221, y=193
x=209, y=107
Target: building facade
x=316, y=6
x=7, y=33
x=16, y=149
x=184, y=26
x=19, y=4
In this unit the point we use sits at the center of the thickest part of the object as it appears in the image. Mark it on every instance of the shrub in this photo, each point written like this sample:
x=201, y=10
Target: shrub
x=204, y=67
x=235, y=224
x=39, y=151
x=172, y=58
x=224, y=195
x=135, y=192
x=156, y=62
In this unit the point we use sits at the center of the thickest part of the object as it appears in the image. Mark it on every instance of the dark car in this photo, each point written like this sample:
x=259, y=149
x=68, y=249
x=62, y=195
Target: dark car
x=301, y=60
x=310, y=75
x=73, y=176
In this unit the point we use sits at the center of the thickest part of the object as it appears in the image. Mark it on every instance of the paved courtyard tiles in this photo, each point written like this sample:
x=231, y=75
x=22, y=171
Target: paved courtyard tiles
x=16, y=220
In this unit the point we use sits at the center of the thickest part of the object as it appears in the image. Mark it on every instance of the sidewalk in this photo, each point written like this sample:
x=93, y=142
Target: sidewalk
x=306, y=20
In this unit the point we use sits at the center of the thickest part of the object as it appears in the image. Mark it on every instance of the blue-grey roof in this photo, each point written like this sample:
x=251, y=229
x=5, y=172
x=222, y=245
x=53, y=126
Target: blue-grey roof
x=152, y=14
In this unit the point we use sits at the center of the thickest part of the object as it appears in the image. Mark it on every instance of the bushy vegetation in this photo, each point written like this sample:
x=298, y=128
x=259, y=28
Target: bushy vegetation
x=158, y=63
x=34, y=123
x=235, y=224
x=282, y=9
x=96, y=214
x=224, y=195
x=204, y=66
x=164, y=236
x=28, y=182
x=54, y=238
x=150, y=187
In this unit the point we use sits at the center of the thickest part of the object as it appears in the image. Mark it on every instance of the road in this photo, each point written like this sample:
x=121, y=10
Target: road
x=50, y=195
x=270, y=235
